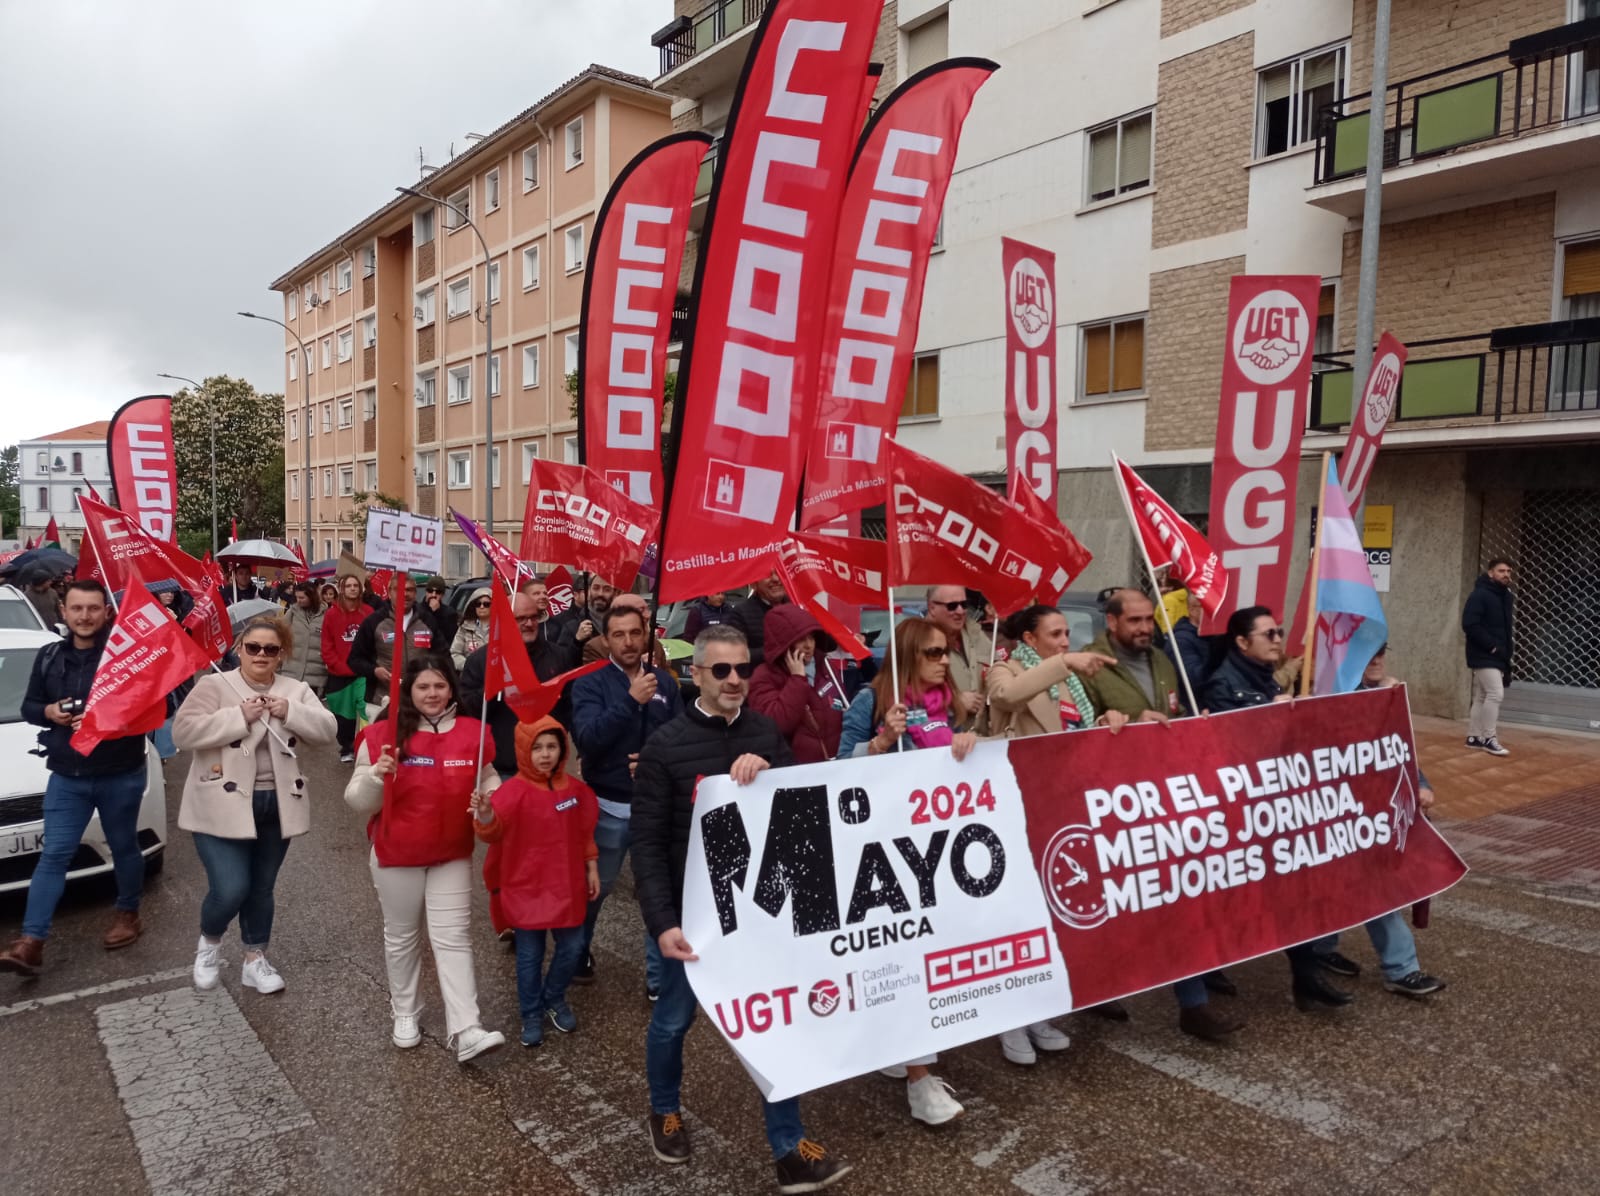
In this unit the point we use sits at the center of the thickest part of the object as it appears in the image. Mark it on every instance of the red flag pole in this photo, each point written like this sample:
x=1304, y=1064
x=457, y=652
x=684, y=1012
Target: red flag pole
x=1133, y=526
x=483, y=717
x=397, y=661
x=894, y=664
x=99, y=565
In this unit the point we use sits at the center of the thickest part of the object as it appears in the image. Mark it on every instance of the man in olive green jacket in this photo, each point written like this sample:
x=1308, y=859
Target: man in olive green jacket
x=1142, y=684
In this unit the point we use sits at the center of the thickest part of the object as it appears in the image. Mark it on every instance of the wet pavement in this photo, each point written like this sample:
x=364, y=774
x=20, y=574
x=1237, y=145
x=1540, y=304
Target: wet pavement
x=116, y=1076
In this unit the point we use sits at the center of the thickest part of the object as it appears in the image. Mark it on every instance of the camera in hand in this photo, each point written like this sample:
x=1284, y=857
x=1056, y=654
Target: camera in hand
x=71, y=706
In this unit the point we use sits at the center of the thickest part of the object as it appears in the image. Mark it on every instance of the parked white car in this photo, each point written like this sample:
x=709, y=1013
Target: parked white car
x=23, y=777
x=17, y=611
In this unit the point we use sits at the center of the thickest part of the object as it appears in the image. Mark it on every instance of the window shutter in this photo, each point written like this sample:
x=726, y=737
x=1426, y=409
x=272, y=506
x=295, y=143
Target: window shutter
x=1133, y=170
x=1127, y=364
x=1103, y=163
x=1097, y=360
x=1275, y=83
x=1319, y=71
x=1580, y=272
x=927, y=44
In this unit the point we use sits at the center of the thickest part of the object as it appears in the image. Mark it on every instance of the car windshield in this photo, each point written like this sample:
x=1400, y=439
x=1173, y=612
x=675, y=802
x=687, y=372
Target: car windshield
x=15, y=665
x=16, y=612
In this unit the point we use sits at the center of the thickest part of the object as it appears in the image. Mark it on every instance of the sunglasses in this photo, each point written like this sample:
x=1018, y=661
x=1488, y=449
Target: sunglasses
x=483, y=602
x=952, y=607
x=721, y=669
x=267, y=650
x=1272, y=633
x=935, y=653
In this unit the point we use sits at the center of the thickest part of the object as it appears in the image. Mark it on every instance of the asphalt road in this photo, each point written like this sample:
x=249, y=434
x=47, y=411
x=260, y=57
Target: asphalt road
x=115, y=1076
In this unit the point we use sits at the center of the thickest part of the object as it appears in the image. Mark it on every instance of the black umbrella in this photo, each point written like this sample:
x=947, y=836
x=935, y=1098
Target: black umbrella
x=50, y=562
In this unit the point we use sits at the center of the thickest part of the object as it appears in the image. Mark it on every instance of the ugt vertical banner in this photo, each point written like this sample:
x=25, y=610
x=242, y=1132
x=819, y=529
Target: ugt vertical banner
x=628, y=293
x=747, y=385
x=1031, y=365
x=144, y=467
x=1266, y=374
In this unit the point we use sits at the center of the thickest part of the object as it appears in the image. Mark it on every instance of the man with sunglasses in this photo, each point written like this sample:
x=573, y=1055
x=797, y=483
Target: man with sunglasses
x=970, y=650
x=713, y=736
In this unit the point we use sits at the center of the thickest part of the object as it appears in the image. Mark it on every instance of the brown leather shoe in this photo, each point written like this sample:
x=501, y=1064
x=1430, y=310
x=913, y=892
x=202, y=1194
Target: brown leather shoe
x=125, y=929
x=1202, y=1022
x=25, y=956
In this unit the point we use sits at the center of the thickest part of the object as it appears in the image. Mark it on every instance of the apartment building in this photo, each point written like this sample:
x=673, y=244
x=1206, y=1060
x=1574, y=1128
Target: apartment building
x=53, y=471
x=1159, y=147
x=387, y=322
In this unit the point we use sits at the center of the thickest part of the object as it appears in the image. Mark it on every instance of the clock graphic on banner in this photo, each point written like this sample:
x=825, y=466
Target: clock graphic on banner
x=1069, y=884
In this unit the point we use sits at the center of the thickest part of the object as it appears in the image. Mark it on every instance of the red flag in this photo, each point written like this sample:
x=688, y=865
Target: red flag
x=847, y=567
x=747, y=385
x=807, y=577
x=1069, y=556
x=887, y=227
x=146, y=657
x=629, y=289
x=508, y=673
x=1030, y=275
x=379, y=580
x=233, y=529
x=52, y=534
x=1169, y=539
x=573, y=515
x=501, y=559
x=1266, y=371
x=302, y=571
x=144, y=468
x=558, y=589
x=945, y=529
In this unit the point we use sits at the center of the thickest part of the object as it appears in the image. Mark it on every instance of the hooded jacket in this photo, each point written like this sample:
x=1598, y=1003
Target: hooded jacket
x=472, y=632
x=339, y=628
x=803, y=708
x=305, y=662
x=502, y=719
x=540, y=841
x=1486, y=620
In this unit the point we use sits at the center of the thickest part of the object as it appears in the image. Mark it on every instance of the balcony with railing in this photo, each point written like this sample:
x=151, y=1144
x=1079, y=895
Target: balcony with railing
x=1530, y=374
x=694, y=49
x=1530, y=111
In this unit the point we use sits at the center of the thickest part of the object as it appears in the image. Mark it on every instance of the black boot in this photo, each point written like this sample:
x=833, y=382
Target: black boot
x=1311, y=990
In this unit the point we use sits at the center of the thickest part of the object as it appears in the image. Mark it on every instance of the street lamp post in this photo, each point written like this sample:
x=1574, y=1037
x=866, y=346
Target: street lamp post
x=488, y=354
x=212, y=408
x=305, y=417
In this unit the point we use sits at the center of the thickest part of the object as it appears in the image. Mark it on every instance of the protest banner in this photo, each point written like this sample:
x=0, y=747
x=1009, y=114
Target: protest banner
x=573, y=514
x=1030, y=297
x=144, y=467
x=404, y=542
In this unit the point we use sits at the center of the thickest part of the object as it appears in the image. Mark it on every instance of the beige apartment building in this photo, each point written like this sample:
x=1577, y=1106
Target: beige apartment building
x=391, y=317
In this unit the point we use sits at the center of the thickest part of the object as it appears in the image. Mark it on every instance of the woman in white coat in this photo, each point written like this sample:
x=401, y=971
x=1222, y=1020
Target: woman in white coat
x=245, y=796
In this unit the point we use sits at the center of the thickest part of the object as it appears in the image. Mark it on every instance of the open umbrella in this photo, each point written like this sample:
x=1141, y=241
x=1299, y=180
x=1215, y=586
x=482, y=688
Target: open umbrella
x=677, y=649
x=240, y=613
x=325, y=568
x=269, y=554
x=49, y=560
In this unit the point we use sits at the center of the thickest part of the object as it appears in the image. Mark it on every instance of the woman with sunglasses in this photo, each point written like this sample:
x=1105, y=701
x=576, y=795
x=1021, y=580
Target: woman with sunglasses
x=922, y=717
x=417, y=775
x=245, y=796
x=473, y=632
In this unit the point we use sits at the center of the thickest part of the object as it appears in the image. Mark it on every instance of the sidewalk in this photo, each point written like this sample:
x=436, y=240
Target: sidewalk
x=1532, y=815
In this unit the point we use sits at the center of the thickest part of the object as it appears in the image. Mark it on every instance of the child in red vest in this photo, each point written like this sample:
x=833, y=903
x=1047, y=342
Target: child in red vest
x=541, y=870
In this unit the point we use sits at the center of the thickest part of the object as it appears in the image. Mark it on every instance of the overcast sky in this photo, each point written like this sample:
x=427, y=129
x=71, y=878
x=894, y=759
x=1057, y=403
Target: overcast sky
x=167, y=159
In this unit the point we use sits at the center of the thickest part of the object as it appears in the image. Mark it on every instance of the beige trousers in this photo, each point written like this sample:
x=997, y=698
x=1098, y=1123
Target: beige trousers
x=443, y=896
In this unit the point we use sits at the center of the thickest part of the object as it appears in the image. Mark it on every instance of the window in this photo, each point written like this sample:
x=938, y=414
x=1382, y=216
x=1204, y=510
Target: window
x=310, y=290
x=294, y=485
x=345, y=345
x=927, y=44
x=460, y=476
x=345, y=273
x=458, y=301
x=460, y=558
x=369, y=261
x=327, y=284
x=530, y=267
x=422, y=227
x=494, y=374
x=570, y=343
x=327, y=549
x=294, y=365
x=494, y=466
x=347, y=412
x=347, y=480
x=44, y=498
x=530, y=454
x=327, y=483
x=327, y=417
x=1575, y=369
x=369, y=404
x=1290, y=96
x=311, y=362
x=43, y=462
x=922, y=389
x=1322, y=340
x=530, y=168
x=293, y=298
x=460, y=384
x=458, y=209
x=369, y=331
x=77, y=462
x=344, y=546
x=574, y=241
x=530, y=366
x=311, y=425
x=294, y=425
x=575, y=143
x=427, y=385
x=569, y=449
x=427, y=468
x=494, y=282
x=1113, y=359
x=327, y=352
x=369, y=476
x=424, y=311
x=491, y=191
x=1119, y=157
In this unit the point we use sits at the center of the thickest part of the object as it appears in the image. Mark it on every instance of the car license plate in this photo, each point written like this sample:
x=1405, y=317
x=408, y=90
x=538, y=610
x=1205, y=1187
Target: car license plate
x=21, y=843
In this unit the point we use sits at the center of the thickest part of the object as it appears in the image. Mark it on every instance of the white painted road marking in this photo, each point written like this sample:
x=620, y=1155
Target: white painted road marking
x=1057, y=1175
x=98, y=990
x=1521, y=926
x=204, y=1100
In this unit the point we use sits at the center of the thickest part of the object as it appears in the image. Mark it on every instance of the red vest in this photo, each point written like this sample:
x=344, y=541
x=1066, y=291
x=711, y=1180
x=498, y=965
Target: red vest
x=426, y=819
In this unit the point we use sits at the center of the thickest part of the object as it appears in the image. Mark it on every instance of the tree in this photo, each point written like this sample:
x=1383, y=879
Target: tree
x=250, y=466
x=356, y=516
x=669, y=392
x=10, y=493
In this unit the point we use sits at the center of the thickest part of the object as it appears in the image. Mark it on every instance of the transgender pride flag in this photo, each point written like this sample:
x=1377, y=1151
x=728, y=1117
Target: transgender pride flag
x=1350, y=623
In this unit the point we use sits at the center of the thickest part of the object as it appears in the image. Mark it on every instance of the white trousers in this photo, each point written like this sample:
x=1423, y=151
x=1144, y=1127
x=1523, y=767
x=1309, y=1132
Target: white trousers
x=1488, y=690
x=443, y=895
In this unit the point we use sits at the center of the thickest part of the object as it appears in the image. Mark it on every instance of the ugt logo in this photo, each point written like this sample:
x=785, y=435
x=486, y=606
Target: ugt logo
x=1032, y=303
x=1271, y=337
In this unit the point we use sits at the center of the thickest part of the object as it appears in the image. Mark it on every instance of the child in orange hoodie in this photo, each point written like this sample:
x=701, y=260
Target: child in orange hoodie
x=541, y=870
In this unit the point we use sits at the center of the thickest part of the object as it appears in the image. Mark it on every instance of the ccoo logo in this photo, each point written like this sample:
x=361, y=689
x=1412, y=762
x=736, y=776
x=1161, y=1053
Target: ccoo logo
x=1271, y=337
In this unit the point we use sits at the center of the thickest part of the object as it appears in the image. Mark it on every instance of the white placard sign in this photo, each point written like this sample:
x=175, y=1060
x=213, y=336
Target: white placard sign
x=856, y=914
x=404, y=542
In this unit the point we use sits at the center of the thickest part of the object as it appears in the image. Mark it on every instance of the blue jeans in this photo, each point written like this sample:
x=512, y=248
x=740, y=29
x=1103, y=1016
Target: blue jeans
x=69, y=803
x=162, y=738
x=242, y=873
x=538, y=990
x=612, y=838
x=1391, y=939
x=663, y=1061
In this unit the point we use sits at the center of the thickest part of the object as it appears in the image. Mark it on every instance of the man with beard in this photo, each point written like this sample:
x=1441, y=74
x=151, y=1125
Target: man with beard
x=582, y=623
x=502, y=719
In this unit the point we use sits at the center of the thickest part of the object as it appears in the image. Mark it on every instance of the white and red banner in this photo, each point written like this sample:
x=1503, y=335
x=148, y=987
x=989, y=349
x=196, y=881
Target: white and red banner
x=887, y=230
x=403, y=541
x=1172, y=541
x=573, y=515
x=856, y=914
x=144, y=467
x=1030, y=274
x=1069, y=556
x=628, y=293
x=747, y=385
x=1266, y=376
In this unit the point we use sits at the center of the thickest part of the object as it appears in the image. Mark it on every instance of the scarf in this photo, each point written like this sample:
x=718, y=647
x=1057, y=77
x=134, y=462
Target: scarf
x=1029, y=659
x=928, y=725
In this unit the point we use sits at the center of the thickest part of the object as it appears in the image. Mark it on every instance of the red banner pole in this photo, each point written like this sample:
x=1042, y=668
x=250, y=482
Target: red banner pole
x=1133, y=525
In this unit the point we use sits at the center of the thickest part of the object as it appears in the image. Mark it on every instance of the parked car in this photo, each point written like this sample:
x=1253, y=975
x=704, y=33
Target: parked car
x=22, y=785
x=17, y=611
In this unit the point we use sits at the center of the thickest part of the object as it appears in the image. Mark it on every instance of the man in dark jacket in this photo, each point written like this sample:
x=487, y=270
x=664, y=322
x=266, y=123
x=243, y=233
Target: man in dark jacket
x=794, y=687
x=372, y=651
x=432, y=610
x=705, y=612
x=614, y=711
x=750, y=614
x=547, y=663
x=109, y=781
x=580, y=624
x=1486, y=619
x=713, y=736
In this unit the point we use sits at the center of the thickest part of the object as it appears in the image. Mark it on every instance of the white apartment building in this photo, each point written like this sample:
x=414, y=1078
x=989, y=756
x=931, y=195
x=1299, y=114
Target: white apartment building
x=53, y=470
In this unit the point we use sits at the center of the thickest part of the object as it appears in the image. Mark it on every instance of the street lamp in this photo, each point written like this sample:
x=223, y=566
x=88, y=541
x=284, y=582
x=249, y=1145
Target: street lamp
x=305, y=432
x=212, y=408
x=488, y=354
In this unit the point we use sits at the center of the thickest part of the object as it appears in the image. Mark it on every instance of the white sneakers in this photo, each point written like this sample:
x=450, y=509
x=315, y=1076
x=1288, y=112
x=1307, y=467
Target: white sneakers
x=1019, y=1045
x=475, y=1041
x=258, y=974
x=207, y=964
x=407, y=1033
x=933, y=1101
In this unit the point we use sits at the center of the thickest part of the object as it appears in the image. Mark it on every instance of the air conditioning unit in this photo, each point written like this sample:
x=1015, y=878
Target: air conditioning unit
x=420, y=397
x=429, y=478
x=418, y=315
x=314, y=301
